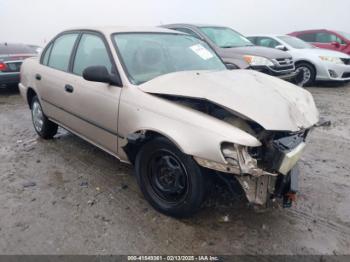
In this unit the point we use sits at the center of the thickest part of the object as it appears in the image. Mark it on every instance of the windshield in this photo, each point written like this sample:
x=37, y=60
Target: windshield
x=295, y=42
x=225, y=37
x=345, y=35
x=148, y=55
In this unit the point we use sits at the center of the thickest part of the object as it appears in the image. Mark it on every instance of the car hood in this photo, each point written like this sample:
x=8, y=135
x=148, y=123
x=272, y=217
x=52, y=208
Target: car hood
x=254, y=50
x=323, y=52
x=268, y=101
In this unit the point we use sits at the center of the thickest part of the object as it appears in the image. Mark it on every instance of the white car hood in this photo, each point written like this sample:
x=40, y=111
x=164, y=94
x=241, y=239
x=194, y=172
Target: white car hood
x=268, y=101
x=322, y=52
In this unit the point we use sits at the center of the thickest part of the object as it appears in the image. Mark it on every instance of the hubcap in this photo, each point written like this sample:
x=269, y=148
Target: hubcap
x=38, y=117
x=306, y=74
x=167, y=176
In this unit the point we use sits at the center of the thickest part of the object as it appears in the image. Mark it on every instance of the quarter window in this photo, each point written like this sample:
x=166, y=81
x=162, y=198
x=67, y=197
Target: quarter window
x=61, y=51
x=91, y=52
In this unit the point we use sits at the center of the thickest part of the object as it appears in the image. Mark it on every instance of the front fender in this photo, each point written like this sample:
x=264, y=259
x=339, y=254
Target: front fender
x=194, y=133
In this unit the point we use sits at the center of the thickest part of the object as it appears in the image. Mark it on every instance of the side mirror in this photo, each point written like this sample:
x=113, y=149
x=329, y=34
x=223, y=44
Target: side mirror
x=101, y=74
x=281, y=47
x=230, y=66
x=336, y=44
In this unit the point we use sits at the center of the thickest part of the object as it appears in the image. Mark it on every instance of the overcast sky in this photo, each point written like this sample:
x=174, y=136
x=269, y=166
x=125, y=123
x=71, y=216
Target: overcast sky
x=36, y=21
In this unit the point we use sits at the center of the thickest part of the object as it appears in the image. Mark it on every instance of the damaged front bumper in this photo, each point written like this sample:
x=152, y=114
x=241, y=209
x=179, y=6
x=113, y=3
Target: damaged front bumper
x=266, y=173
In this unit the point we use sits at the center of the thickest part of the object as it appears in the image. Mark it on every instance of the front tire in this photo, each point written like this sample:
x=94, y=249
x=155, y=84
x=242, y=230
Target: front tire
x=170, y=180
x=309, y=75
x=43, y=126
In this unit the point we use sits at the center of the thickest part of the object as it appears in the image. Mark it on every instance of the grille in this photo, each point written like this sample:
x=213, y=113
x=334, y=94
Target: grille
x=285, y=61
x=280, y=68
x=346, y=61
x=346, y=75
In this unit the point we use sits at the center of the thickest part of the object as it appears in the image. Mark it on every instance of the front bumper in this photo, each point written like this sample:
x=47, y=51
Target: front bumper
x=333, y=72
x=265, y=173
x=287, y=74
x=9, y=79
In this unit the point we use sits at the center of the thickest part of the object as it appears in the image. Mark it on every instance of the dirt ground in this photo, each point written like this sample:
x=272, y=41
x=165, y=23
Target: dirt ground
x=65, y=196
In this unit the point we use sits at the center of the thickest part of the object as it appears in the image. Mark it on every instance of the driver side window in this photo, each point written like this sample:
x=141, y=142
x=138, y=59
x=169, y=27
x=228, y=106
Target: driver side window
x=91, y=52
x=267, y=42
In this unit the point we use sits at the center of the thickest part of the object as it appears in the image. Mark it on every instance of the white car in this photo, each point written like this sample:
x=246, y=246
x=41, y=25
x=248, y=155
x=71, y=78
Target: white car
x=316, y=63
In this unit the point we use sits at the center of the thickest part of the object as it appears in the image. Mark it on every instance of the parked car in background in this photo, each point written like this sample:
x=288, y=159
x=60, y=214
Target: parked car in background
x=11, y=58
x=164, y=101
x=328, y=39
x=316, y=63
x=238, y=52
x=36, y=48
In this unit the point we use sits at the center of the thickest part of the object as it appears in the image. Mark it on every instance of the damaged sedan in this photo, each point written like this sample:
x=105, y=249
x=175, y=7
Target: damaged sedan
x=164, y=102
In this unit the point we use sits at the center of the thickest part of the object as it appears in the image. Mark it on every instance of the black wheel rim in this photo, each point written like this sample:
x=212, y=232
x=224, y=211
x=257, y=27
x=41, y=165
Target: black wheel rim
x=167, y=177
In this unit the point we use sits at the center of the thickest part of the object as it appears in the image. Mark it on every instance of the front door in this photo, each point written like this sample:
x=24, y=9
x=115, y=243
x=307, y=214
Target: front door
x=94, y=105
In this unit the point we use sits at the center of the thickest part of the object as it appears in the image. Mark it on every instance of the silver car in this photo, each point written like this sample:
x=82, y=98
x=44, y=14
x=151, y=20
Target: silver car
x=316, y=63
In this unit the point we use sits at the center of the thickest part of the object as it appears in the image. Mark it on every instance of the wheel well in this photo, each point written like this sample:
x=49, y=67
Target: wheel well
x=30, y=95
x=306, y=62
x=137, y=140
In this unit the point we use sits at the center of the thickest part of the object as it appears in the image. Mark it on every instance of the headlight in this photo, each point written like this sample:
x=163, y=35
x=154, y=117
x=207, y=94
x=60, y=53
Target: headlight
x=330, y=59
x=230, y=153
x=257, y=60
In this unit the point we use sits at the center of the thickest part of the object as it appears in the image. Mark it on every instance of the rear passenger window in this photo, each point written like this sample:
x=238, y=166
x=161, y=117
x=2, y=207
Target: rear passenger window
x=61, y=51
x=91, y=52
x=267, y=42
x=187, y=31
x=309, y=37
x=46, y=55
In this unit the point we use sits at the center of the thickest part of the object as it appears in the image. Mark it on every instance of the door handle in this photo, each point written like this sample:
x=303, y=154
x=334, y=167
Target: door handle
x=69, y=88
x=38, y=77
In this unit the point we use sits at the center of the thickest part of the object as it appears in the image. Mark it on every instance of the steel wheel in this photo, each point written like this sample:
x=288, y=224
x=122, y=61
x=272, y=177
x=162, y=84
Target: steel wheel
x=167, y=176
x=38, y=116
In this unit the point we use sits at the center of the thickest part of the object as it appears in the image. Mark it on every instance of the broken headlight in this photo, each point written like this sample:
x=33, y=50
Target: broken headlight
x=230, y=153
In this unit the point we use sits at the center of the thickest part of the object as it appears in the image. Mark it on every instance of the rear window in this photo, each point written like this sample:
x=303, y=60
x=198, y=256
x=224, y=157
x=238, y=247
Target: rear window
x=9, y=49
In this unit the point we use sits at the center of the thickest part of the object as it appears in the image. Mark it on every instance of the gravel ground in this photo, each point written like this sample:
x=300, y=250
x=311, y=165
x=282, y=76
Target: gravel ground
x=65, y=196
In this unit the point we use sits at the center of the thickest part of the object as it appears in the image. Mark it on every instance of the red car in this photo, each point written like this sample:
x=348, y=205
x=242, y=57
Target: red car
x=322, y=38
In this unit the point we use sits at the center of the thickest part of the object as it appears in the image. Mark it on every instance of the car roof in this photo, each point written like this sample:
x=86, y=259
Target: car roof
x=192, y=25
x=124, y=29
x=312, y=31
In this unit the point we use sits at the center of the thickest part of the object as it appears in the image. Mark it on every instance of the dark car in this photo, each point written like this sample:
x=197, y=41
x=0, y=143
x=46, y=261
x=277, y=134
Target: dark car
x=328, y=39
x=238, y=52
x=11, y=58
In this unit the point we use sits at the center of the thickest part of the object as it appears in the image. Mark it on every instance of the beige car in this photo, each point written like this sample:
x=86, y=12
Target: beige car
x=165, y=102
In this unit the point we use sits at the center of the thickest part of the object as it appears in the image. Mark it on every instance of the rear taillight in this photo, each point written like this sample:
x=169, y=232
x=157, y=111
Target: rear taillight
x=3, y=66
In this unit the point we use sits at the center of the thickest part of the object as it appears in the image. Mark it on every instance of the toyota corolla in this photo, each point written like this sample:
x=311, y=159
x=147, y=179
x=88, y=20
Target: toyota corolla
x=164, y=102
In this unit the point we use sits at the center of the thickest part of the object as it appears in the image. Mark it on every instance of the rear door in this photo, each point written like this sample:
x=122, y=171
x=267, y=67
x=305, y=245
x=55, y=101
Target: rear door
x=93, y=105
x=52, y=75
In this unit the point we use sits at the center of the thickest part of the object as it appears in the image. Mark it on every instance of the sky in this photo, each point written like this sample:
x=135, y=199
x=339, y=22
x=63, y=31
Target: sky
x=37, y=21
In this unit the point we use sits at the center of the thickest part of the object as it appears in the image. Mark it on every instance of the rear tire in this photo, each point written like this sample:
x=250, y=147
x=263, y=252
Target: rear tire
x=170, y=180
x=45, y=128
x=309, y=73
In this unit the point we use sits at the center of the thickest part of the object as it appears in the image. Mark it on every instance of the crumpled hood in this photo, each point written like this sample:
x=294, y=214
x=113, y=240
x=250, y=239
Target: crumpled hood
x=273, y=103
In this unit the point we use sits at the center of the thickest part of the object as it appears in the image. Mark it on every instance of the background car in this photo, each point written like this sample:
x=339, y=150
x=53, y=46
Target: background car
x=316, y=63
x=36, y=48
x=11, y=58
x=333, y=40
x=238, y=52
